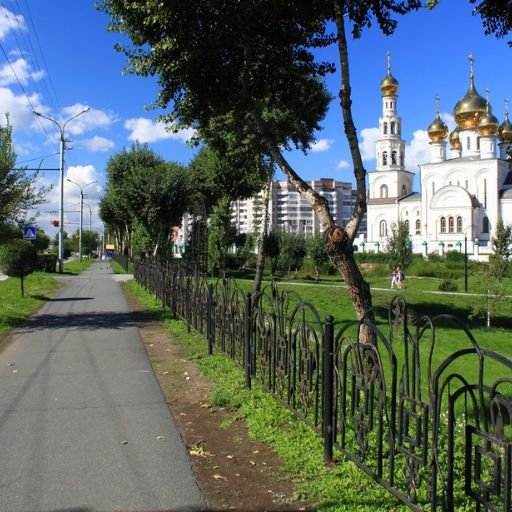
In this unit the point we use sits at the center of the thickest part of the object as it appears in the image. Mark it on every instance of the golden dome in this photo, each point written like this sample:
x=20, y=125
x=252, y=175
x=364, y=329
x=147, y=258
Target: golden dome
x=454, y=139
x=488, y=124
x=472, y=107
x=389, y=85
x=437, y=129
x=505, y=130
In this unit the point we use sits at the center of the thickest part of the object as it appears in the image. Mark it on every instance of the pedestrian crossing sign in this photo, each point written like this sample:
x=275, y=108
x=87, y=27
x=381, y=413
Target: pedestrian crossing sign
x=29, y=233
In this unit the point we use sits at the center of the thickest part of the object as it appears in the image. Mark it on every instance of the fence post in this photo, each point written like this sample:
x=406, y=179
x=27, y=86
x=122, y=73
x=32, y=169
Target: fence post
x=328, y=371
x=247, y=340
x=209, y=319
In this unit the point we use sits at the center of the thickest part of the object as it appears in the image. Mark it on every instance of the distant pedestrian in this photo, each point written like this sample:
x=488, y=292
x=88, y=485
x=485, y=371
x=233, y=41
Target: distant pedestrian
x=399, y=278
x=394, y=278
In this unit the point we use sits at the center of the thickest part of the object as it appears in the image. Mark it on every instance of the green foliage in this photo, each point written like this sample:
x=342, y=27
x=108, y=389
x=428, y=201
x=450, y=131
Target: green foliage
x=143, y=188
x=502, y=247
x=448, y=285
x=400, y=246
x=46, y=263
x=292, y=251
x=271, y=248
x=18, y=258
x=315, y=246
x=18, y=194
x=220, y=233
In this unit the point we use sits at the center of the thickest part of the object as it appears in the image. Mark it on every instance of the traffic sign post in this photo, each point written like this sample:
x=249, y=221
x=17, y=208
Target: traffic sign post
x=29, y=233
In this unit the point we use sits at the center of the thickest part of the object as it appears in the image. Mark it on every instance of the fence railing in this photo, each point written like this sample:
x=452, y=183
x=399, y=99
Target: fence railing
x=431, y=425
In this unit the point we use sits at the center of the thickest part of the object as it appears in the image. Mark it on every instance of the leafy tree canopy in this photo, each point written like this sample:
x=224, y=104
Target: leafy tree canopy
x=18, y=193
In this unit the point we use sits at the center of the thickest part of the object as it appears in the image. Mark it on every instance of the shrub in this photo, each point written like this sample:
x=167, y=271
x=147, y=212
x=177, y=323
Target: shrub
x=447, y=286
x=18, y=258
x=46, y=263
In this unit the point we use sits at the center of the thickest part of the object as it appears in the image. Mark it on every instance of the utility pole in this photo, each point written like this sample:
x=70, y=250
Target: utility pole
x=61, y=170
x=81, y=187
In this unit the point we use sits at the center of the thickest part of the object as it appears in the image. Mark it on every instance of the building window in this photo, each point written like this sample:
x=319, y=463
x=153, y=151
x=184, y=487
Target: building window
x=433, y=188
x=393, y=157
x=485, y=193
x=418, y=226
x=402, y=159
x=485, y=225
x=468, y=143
x=383, y=191
x=404, y=190
x=459, y=224
x=406, y=223
x=383, y=228
x=393, y=127
x=451, y=225
x=385, y=158
x=443, y=225
x=385, y=128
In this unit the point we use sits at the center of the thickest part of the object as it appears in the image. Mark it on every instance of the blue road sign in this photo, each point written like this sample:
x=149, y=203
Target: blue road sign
x=29, y=233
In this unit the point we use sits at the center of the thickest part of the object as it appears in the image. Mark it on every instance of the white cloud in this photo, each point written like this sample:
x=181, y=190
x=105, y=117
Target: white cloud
x=343, y=164
x=18, y=70
x=10, y=22
x=145, y=130
x=322, y=145
x=417, y=151
x=97, y=144
x=369, y=137
x=90, y=120
x=18, y=108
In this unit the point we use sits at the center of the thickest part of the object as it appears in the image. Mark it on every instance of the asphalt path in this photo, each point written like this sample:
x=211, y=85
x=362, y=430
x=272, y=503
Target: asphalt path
x=83, y=423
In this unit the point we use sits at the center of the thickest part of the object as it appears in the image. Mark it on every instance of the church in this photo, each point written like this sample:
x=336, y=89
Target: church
x=466, y=187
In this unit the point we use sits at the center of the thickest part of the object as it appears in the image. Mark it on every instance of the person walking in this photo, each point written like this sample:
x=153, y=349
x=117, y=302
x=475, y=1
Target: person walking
x=394, y=276
x=399, y=278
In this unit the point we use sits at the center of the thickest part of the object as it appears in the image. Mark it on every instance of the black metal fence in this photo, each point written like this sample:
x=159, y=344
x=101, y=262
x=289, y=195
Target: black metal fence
x=436, y=431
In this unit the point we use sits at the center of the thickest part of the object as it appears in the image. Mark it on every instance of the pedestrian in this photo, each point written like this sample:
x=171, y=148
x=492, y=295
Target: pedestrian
x=399, y=278
x=394, y=276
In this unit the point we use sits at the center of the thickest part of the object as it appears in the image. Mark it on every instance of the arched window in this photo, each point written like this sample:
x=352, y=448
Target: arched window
x=393, y=127
x=385, y=158
x=451, y=225
x=406, y=223
x=385, y=128
x=404, y=190
x=468, y=143
x=402, y=159
x=459, y=224
x=485, y=225
x=393, y=157
x=383, y=191
x=383, y=228
x=418, y=226
x=443, y=225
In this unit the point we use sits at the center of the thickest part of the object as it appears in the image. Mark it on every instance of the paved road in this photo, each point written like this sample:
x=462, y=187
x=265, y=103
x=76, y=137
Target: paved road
x=83, y=423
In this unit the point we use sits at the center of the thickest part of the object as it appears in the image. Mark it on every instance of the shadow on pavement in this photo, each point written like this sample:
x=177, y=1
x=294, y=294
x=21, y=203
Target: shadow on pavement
x=94, y=320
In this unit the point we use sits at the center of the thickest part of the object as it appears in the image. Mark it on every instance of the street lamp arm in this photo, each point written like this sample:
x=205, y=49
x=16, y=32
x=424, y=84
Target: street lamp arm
x=76, y=115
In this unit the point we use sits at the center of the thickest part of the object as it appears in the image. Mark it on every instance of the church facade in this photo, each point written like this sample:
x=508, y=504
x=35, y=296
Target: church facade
x=466, y=187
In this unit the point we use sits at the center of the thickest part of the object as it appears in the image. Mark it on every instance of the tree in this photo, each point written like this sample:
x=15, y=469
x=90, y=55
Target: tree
x=316, y=251
x=271, y=248
x=502, y=247
x=18, y=194
x=142, y=187
x=220, y=233
x=18, y=258
x=292, y=251
x=400, y=246
x=246, y=72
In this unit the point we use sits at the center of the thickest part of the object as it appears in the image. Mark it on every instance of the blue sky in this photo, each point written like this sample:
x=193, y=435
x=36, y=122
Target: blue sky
x=58, y=58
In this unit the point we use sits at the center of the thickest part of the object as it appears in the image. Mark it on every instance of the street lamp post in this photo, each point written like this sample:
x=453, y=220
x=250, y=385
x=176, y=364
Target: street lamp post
x=61, y=170
x=81, y=187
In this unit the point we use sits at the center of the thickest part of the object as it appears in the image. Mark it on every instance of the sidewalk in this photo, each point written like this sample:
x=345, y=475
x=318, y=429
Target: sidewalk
x=83, y=424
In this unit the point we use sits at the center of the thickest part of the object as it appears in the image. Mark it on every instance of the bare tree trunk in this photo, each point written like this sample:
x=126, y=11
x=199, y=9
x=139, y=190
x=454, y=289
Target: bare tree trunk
x=338, y=241
x=260, y=261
